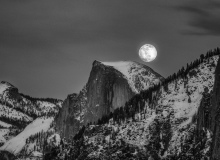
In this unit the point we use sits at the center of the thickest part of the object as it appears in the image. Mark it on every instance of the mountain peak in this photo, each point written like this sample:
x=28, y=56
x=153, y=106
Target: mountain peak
x=139, y=76
x=4, y=86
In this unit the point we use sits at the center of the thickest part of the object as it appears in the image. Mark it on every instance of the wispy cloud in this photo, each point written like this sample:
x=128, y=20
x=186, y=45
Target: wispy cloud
x=204, y=17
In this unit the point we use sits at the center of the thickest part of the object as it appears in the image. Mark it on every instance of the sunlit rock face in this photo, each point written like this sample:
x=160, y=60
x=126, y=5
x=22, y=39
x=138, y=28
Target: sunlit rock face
x=107, y=90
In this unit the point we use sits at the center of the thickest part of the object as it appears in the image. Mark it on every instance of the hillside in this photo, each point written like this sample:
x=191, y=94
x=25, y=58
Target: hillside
x=16, y=144
x=18, y=114
x=173, y=118
x=167, y=121
x=163, y=129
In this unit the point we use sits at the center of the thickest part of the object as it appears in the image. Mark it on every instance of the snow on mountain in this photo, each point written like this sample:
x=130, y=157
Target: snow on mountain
x=5, y=125
x=14, y=114
x=139, y=76
x=33, y=107
x=16, y=144
x=4, y=86
x=4, y=131
x=17, y=111
x=47, y=107
x=54, y=140
x=177, y=99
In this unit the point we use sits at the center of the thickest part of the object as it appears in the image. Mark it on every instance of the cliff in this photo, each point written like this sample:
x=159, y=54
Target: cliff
x=71, y=116
x=107, y=90
x=215, y=114
x=109, y=86
x=204, y=117
x=176, y=127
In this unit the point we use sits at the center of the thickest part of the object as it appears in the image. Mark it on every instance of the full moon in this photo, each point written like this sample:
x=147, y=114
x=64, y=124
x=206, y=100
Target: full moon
x=147, y=53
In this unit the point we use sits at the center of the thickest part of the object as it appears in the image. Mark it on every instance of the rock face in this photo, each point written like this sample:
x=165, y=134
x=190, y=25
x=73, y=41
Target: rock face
x=209, y=115
x=71, y=116
x=110, y=85
x=66, y=122
x=107, y=90
x=215, y=114
x=204, y=117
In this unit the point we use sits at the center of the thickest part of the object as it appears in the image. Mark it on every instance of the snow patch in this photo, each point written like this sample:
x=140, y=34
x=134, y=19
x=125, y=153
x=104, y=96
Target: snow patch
x=16, y=144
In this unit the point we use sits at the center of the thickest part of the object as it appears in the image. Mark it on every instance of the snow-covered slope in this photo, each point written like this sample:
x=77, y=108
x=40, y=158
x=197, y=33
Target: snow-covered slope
x=140, y=77
x=34, y=107
x=16, y=144
x=165, y=127
x=11, y=113
x=5, y=125
x=17, y=111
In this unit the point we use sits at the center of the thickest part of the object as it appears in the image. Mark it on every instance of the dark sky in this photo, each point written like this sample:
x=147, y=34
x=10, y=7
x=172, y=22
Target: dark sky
x=47, y=46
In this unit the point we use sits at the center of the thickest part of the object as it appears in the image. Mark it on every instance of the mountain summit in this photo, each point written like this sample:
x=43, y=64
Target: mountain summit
x=110, y=85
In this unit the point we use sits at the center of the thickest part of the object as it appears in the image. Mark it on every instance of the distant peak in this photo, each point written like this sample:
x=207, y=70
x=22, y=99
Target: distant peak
x=5, y=86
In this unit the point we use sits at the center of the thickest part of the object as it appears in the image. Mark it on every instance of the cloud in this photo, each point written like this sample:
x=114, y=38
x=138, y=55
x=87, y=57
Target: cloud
x=204, y=17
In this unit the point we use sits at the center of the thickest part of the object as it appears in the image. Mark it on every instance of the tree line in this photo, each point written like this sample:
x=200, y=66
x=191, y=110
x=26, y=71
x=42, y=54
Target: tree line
x=51, y=100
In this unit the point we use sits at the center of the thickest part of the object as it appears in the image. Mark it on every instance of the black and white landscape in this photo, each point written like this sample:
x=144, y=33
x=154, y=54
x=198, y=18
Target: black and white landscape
x=125, y=111
x=109, y=80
